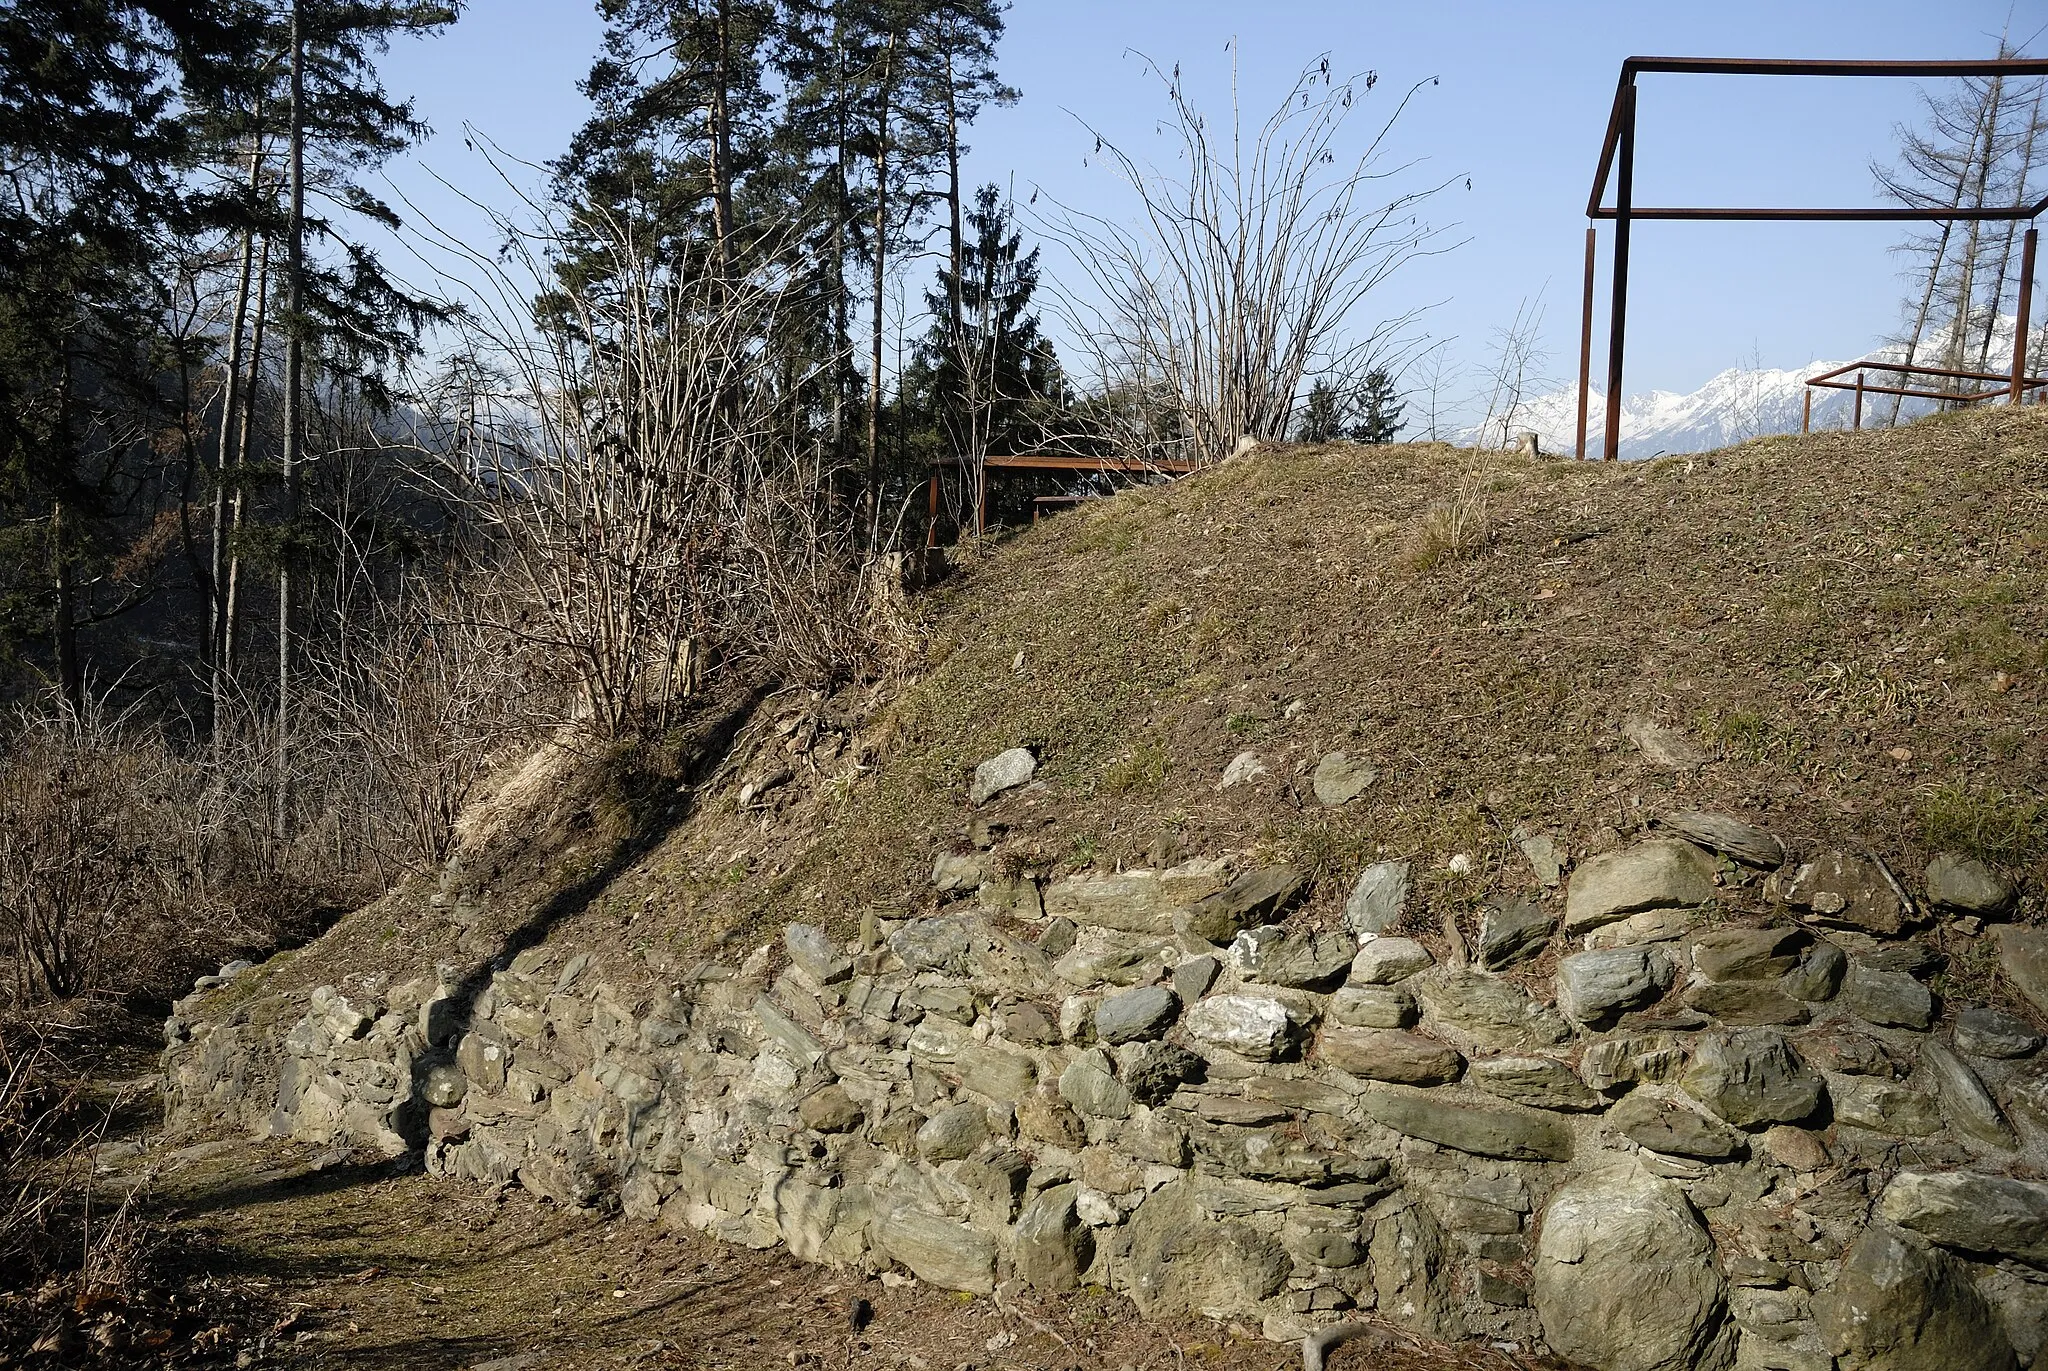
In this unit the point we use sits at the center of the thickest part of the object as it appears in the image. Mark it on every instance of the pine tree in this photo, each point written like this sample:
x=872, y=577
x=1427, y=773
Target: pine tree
x=1379, y=407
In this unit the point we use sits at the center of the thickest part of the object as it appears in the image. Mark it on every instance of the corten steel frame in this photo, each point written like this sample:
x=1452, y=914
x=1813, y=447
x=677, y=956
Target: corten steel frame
x=1618, y=157
x=1036, y=462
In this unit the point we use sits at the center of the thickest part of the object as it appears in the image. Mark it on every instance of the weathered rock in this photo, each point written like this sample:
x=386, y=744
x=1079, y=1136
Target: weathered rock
x=1382, y=1055
x=1004, y=771
x=1298, y=960
x=444, y=1087
x=1853, y=1054
x=1378, y=899
x=1193, y=977
x=1408, y=1273
x=1538, y=1082
x=1131, y=1015
x=1669, y=1127
x=1243, y=769
x=1318, y=1235
x=1545, y=856
x=1885, y=1107
x=1968, y=1105
x=2026, y=1093
x=1613, y=1063
x=1752, y=1076
x=1964, y=885
x=1843, y=890
x=958, y=873
x=830, y=1110
x=1993, y=1033
x=1044, y=1116
x=1748, y=954
x=1746, y=1003
x=1090, y=1085
x=2023, y=955
x=1661, y=745
x=1250, y=1025
x=815, y=954
x=482, y=1057
x=1897, y=1306
x=1382, y=961
x=1116, y=960
x=1151, y=1071
x=1722, y=833
x=1184, y=1263
x=1254, y=898
x=1492, y=1012
x=931, y=945
x=1986, y=1215
x=1138, y=901
x=1594, y=987
x=1819, y=976
x=1663, y=873
x=1050, y=1246
x=1372, y=1006
x=1798, y=1148
x=1340, y=778
x=952, y=1133
x=1452, y=1119
x=1625, y=1277
x=1513, y=932
x=1889, y=998
x=1021, y=1021
x=942, y=1252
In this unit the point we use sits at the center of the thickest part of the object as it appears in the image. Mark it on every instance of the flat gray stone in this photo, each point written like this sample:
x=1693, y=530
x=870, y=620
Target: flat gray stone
x=1594, y=987
x=1372, y=1006
x=1723, y=833
x=1752, y=1076
x=931, y=945
x=1545, y=857
x=1492, y=1012
x=1151, y=1071
x=1884, y=1107
x=830, y=1110
x=1297, y=960
x=1254, y=1026
x=1050, y=1246
x=1387, y=1055
x=1130, y=1015
x=1746, y=1003
x=1996, y=1034
x=939, y=1251
x=815, y=954
x=1193, y=977
x=957, y=873
x=1514, y=932
x=1899, y=1306
x=1663, y=873
x=1383, y=961
x=2023, y=956
x=1625, y=1278
x=1891, y=999
x=1255, y=898
x=1985, y=1215
x=1004, y=771
x=1968, y=1105
x=1340, y=778
x=1818, y=977
x=1748, y=954
x=1090, y=1085
x=1964, y=885
x=1135, y=901
x=952, y=1133
x=1672, y=1128
x=1844, y=890
x=1379, y=898
x=1538, y=1082
x=1452, y=1119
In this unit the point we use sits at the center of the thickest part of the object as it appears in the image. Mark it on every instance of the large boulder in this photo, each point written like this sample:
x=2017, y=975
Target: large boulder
x=1664, y=873
x=1382, y=1055
x=1752, y=1076
x=943, y=1252
x=1254, y=1026
x=1899, y=1306
x=1593, y=987
x=1050, y=1246
x=1452, y=1119
x=1182, y=1262
x=1972, y=1213
x=1625, y=1277
x=1967, y=886
x=1492, y=1012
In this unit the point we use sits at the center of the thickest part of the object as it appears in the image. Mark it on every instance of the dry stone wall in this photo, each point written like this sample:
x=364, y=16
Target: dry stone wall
x=1727, y=1123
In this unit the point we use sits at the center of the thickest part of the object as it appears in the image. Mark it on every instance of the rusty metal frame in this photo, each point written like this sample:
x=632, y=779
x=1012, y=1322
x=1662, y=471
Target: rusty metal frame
x=1036, y=461
x=1618, y=158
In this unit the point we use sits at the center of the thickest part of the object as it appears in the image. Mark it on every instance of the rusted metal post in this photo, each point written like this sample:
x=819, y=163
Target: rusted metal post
x=1617, y=320
x=2019, y=331
x=1806, y=414
x=931, y=537
x=1857, y=422
x=1586, y=343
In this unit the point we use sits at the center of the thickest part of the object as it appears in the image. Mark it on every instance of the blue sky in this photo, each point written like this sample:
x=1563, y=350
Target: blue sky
x=1521, y=104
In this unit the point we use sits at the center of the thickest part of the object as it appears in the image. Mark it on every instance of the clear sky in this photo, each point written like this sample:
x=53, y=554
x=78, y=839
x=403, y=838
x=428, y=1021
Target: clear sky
x=1521, y=105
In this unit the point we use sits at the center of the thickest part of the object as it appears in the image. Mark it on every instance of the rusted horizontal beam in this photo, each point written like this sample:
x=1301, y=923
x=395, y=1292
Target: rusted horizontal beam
x=1045, y=462
x=1918, y=369
x=1797, y=66
x=1959, y=396
x=1876, y=214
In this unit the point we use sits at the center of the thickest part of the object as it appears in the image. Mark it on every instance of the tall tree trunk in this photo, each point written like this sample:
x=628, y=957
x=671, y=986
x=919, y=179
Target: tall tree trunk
x=881, y=250
x=2021, y=174
x=953, y=185
x=294, y=376
x=64, y=618
x=721, y=140
x=1965, y=305
x=239, y=501
x=841, y=213
x=231, y=399
x=1941, y=244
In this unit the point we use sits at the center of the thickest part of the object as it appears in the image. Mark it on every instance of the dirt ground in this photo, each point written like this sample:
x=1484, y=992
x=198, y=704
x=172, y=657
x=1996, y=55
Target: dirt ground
x=349, y=1261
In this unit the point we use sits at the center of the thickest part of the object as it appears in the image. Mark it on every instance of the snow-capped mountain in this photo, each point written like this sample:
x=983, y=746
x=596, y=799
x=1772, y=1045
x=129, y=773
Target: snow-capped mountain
x=1735, y=406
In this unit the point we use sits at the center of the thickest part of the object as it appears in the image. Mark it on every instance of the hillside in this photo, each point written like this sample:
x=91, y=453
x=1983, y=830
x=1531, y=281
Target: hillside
x=1842, y=636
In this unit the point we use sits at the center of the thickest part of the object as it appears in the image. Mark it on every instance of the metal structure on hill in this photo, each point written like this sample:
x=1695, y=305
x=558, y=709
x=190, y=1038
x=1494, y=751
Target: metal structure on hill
x=1618, y=159
x=1038, y=461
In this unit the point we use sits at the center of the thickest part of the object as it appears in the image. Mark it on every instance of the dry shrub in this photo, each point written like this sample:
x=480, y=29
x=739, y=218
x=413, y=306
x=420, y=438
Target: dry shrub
x=1453, y=529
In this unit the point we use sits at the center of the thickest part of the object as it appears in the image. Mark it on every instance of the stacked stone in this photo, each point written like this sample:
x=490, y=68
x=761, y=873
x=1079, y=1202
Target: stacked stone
x=1705, y=1109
